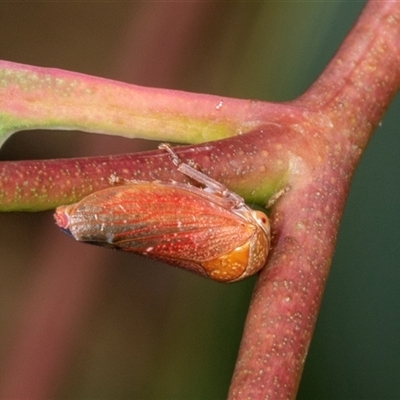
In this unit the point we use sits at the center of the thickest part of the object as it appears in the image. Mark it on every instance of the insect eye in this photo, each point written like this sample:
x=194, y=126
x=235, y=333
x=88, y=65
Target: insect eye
x=263, y=220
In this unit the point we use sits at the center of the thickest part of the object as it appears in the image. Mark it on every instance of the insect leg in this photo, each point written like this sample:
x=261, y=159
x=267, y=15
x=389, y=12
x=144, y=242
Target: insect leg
x=202, y=178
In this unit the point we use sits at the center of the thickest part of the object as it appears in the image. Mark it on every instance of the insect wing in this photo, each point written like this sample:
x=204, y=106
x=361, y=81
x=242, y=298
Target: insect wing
x=166, y=221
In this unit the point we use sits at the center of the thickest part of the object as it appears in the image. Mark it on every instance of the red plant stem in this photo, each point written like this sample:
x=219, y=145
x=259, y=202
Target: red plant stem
x=313, y=145
x=45, y=184
x=349, y=99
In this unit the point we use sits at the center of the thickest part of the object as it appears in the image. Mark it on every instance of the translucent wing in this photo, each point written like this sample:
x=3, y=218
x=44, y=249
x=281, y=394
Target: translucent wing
x=163, y=220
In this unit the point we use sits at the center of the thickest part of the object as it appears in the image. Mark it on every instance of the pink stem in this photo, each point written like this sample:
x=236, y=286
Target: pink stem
x=341, y=108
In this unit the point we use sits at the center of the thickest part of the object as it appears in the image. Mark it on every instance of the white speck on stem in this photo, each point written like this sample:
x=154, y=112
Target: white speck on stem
x=219, y=105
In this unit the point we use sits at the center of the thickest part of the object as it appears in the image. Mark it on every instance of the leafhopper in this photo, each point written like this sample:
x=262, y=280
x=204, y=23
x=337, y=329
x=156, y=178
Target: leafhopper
x=208, y=230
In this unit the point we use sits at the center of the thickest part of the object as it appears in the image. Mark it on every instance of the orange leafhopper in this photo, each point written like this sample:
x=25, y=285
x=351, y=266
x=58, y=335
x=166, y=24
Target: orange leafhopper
x=208, y=230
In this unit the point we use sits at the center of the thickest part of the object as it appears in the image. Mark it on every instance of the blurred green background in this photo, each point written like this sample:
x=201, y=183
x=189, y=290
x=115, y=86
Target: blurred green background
x=133, y=329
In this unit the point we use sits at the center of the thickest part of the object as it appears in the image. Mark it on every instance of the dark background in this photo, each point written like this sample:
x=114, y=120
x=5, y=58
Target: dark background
x=132, y=329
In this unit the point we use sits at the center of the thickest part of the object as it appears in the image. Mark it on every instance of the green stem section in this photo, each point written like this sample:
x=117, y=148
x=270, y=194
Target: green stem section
x=44, y=98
